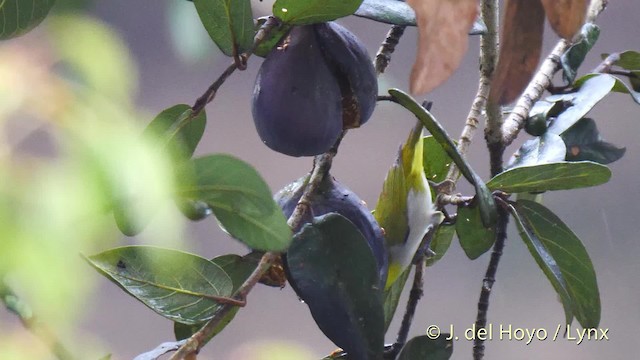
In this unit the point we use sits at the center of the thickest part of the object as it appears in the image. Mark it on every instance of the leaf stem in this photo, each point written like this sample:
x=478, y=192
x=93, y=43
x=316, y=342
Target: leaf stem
x=23, y=311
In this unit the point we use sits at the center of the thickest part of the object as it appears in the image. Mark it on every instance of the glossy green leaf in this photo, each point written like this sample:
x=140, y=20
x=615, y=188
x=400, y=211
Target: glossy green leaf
x=590, y=93
x=332, y=269
x=574, y=56
x=397, y=12
x=160, y=350
x=435, y=160
x=296, y=12
x=194, y=210
x=440, y=243
x=17, y=17
x=584, y=143
x=273, y=38
x=486, y=204
x=181, y=142
x=549, y=177
x=545, y=261
x=424, y=348
x=238, y=269
x=229, y=24
x=539, y=150
x=179, y=286
x=629, y=60
x=474, y=237
x=387, y=11
x=571, y=257
x=239, y=198
x=392, y=297
x=621, y=87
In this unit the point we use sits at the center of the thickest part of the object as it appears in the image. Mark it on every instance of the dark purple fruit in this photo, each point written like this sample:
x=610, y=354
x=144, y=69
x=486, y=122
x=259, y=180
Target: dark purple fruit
x=349, y=59
x=316, y=82
x=335, y=197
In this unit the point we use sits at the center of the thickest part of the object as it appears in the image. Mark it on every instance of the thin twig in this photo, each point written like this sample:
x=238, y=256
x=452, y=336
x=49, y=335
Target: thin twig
x=239, y=63
x=606, y=64
x=488, y=59
x=455, y=199
x=412, y=303
x=541, y=81
x=23, y=311
x=489, y=280
x=493, y=138
x=199, y=339
x=388, y=46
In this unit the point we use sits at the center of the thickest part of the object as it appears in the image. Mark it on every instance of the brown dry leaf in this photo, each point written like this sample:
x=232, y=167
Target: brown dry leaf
x=443, y=27
x=521, y=42
x=566, y=16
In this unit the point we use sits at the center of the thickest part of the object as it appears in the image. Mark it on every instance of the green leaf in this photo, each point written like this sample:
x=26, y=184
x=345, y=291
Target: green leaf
x=487, y=205
x=181, y=142
x=590, y=93
x=549, y=177
x=440, y=243
x=179, y=286
x=539, y=150
x=387, y=11
x=162, y=349
x=238, y=269
x=545, y=261
x=584, y=143
x=435, y=160
x=239, y=198
x=424, y=348
x=273, y=38
x=574, y=56
x=572, y=259
x=17, y=17
x=397, y=12
x=621, y=87
x=194, y=210
x=332, y=269
x=392, y=297
x=474, y=237
x=296, y=12
x=229, y=24
x=629, y=60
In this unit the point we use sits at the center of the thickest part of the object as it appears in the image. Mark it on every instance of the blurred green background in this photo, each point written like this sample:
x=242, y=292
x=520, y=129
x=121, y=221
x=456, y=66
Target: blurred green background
x=74, y=96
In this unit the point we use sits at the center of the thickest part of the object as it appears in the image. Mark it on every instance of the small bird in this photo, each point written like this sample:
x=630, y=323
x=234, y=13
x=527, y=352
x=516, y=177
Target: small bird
x=405, y=209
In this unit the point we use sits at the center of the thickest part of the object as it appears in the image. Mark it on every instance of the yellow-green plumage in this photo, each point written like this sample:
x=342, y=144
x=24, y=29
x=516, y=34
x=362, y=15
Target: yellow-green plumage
x=405, y=209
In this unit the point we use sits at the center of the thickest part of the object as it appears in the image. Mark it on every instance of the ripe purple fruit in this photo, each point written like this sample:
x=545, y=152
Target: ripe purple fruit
x=316, y=82
x=335, y=197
